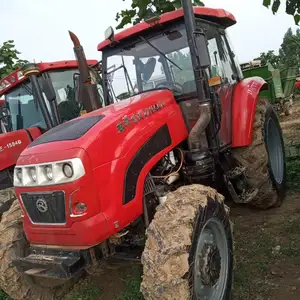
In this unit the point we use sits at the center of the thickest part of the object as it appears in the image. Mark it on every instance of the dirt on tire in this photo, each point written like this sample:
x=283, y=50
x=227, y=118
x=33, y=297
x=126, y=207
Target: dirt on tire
x=255, y=159
x=169, y=238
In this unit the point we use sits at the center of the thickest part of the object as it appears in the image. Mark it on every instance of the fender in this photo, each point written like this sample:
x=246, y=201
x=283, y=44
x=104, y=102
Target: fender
x=297, y=85
x=243, y=109
x=13, y=143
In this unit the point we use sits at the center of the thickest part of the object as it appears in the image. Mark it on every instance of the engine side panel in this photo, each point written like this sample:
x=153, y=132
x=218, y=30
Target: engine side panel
x=243, y=111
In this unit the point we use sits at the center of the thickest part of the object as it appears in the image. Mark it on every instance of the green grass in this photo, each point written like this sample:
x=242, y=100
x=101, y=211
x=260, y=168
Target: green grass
x=87, y=292
x=293, y=173
x=3, y=296
x=132, y=290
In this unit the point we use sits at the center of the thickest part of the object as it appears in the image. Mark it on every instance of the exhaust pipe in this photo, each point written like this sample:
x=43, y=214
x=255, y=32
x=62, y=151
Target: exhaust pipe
x=200, y=126
x=92, y=101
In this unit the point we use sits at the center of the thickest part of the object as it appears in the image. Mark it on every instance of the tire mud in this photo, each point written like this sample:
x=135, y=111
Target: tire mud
x=255, y=159
x=169, y=238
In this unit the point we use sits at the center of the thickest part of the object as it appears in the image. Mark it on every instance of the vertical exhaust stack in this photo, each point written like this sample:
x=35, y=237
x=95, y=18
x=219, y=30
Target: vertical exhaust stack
x=90, y=99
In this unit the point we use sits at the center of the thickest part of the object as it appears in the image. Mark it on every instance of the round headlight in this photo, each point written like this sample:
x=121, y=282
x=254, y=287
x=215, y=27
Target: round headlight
x=81, y=207
x=48, y=172
x=32, y=174
x=68, y=170
x=19, y=174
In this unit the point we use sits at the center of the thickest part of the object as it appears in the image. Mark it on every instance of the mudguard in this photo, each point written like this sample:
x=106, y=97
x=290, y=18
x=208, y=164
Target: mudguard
x=243, y=111
x=13, y=143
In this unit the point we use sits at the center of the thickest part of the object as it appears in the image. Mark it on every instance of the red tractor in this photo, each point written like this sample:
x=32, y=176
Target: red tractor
x=143, y=177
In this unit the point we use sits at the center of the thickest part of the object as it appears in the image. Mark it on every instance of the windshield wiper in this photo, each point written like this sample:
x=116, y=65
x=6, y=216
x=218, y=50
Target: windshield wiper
x=161, y=53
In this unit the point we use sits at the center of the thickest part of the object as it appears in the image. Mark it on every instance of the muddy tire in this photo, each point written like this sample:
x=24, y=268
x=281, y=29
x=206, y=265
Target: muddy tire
x=12, y=244
x=264, y=159
x=188, y=252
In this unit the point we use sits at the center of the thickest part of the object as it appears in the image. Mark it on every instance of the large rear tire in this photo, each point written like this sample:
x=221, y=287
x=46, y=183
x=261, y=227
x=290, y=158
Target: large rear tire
x=13, y=243
x=264, y=159
x=188, y=252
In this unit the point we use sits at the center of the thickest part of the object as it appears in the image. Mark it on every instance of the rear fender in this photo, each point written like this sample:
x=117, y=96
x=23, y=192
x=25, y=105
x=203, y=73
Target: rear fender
x=243, y=110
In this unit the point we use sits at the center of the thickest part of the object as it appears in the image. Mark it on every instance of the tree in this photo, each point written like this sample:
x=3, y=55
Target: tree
x=140, y=9
x=290, y=49
x=269, y=57
x=9, y=60
x=292, y=7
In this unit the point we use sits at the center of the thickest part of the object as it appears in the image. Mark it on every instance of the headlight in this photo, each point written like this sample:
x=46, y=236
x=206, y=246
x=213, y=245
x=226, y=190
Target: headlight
x=19, y=175
x=49, y=173
x=32, y=174
x=68, y=170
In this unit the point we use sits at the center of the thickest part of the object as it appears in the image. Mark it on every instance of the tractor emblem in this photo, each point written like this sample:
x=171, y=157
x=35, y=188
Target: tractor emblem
x=41, y=205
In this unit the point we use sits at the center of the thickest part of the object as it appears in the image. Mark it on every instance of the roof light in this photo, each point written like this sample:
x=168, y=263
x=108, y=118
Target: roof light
x=153, y=20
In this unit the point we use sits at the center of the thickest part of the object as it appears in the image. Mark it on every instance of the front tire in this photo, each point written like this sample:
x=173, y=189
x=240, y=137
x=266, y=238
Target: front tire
x=188, y=252
x=264, y=159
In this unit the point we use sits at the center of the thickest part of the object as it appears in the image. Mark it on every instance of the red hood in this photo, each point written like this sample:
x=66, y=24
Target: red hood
x=107, y=127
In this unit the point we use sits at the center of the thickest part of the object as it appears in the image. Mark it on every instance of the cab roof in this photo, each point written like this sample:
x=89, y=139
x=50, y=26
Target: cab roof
x=219, y=16
x=16, y=77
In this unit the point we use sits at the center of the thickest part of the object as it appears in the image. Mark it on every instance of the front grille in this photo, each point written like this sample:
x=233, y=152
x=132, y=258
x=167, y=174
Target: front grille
x=46, y=208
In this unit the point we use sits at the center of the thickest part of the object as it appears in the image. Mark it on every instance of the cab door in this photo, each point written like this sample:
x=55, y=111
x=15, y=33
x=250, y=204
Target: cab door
x=224, y=77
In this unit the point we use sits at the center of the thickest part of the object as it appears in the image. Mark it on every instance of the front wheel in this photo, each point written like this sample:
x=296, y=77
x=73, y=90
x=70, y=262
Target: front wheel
x=189, y=253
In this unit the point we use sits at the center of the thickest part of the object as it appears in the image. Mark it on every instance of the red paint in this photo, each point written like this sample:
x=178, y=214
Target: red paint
x=224, y=18
x=106, y=160
x=243, y=111
x=226, y=94
x=297, y=85
x=12, y=144
x=15, y=78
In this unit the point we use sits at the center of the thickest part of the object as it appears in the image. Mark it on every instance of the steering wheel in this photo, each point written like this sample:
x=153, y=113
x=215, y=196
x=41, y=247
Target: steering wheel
x=174, y=86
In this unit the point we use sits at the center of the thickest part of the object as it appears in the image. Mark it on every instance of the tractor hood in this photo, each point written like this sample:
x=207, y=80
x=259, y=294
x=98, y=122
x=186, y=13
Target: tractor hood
x=106, y=132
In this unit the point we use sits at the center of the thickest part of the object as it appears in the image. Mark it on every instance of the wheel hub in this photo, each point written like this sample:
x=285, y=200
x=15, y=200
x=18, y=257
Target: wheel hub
x=210, y=265
x=211, y=262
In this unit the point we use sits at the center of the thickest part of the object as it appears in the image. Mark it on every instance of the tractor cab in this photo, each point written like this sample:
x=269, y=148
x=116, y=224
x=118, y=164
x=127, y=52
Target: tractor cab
x=135, y=58
x=160, y=48
x=22, y=108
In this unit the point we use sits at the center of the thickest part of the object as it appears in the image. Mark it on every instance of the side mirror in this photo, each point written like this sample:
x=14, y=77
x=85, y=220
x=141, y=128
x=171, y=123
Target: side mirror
x=48, y=89
x=201, y=44
x=109, y=33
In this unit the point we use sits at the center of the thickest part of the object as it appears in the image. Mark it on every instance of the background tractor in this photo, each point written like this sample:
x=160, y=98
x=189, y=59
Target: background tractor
x=143, y=177
x=25, y=116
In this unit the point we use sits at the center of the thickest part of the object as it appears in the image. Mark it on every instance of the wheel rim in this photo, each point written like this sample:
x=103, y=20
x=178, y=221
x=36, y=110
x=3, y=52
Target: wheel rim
x=210, y=274
x=275, y=151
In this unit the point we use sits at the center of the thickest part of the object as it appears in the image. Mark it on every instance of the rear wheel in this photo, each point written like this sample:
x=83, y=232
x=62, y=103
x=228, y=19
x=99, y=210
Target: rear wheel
x=188, y=253
x=13, y=243
x=264, y=159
